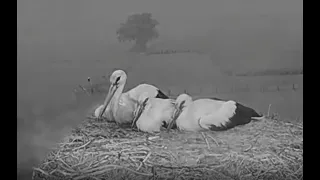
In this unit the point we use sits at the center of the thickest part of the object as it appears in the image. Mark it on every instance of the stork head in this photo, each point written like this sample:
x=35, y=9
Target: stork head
x=141, y=104
x=117, y=79
x=182, y=101
x=143, y=98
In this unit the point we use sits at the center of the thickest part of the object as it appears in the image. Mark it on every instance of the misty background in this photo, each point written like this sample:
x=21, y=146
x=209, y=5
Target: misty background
x=62, y=42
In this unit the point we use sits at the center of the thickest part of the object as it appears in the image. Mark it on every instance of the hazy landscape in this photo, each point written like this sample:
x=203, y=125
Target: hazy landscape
x=61, y=43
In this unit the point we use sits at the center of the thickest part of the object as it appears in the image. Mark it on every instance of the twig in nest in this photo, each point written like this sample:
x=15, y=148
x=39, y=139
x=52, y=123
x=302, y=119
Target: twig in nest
x=213, y=140
x=104, y=170
x=126, y=142
x=95, y=178
x=81, y=157
x=119, y=155
x=250, y=147
x=61, y=172
x=58, y=153
x=298, y=170
x=174, y=157
x=261, y=174
x=132, y=161
x=154, y=137
x=145, y=159
x=203, y=135
x=154, y=173
x=40, y=170
x=68, y=168
x=86, y=144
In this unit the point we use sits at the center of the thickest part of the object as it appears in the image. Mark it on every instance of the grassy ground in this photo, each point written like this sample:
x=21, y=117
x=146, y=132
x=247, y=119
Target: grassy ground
x=273, y=72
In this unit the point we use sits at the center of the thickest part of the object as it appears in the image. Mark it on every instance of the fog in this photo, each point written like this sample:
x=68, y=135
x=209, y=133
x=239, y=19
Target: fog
x=59, y=41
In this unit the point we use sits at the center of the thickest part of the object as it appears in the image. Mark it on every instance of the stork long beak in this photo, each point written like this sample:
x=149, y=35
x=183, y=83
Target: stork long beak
x=113, y=88
x=139, y=111
x=174, y=117
x=176, y=114
x=137, y=115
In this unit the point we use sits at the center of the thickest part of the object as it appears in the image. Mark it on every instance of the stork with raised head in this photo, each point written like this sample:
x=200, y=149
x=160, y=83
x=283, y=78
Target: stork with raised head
x=153, y=113
x=119, y=106
x=211, y=114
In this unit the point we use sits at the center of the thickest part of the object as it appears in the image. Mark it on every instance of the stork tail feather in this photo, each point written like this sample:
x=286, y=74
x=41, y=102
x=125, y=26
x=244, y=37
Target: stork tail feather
x=161, y=95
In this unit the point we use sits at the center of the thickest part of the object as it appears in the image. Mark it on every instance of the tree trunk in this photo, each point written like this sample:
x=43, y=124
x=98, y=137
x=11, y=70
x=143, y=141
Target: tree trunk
x=140, y=46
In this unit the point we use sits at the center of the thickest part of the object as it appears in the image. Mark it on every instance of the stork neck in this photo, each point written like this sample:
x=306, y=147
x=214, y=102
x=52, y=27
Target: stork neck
x=183, y=115
x=116, y=98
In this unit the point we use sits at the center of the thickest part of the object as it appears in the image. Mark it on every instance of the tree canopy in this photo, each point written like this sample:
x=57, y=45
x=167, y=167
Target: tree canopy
x=140, y=28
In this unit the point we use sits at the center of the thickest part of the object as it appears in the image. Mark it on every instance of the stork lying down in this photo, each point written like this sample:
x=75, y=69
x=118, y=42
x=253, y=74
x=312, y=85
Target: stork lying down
x=210, y=114
x=118, y=106
x=153, y=113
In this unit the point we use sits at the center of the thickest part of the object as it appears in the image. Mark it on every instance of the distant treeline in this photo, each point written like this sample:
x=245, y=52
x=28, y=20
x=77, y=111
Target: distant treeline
x=171, y=51
x=103, y=89
x=269, y=72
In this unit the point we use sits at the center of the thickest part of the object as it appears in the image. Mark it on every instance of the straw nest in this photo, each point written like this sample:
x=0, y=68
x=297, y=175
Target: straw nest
x=267, y=149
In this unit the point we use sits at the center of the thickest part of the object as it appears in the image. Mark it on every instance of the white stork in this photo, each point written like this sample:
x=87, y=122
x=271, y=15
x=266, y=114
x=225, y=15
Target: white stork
x=211, y=114
x=119, y=107
x=153, y=113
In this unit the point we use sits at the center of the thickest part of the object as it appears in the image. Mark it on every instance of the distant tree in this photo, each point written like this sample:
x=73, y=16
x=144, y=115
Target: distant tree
x=139, y=28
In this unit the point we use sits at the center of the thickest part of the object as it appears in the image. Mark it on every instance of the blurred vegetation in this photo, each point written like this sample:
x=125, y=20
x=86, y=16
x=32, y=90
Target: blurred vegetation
x=139, y=28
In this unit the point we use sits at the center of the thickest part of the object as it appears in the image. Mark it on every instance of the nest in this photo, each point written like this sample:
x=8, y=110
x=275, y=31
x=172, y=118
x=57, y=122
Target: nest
x=267, y=149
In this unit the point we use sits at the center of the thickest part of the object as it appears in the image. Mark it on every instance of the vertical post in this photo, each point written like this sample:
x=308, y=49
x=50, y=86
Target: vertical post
x=185, y=91
x=154, y=173
x=293, y=87
x=91, y=86
x=269, y=110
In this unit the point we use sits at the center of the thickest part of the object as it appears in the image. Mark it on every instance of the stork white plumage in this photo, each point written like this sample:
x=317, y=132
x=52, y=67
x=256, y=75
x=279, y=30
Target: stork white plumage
x=153, y=113
x=118, y=106
x=211, y=114
x=106, y=114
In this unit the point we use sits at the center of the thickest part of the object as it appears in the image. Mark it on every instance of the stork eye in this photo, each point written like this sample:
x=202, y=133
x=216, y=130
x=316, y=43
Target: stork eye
x=118, y=79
